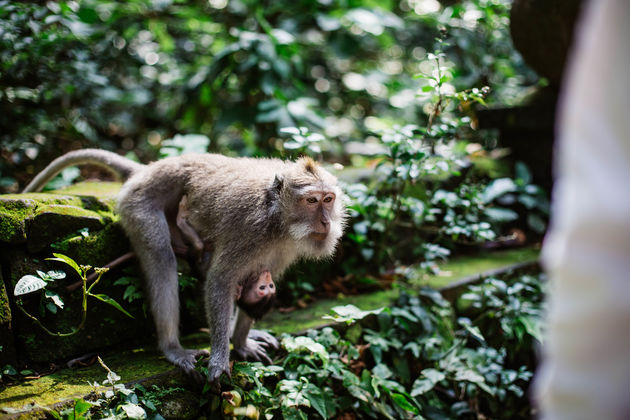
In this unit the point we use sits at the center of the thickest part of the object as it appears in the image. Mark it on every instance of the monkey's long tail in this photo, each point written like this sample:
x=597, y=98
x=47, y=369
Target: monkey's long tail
x=119, y=165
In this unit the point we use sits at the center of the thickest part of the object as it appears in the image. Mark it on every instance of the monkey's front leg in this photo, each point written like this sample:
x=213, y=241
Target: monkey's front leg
x=220, y=305
x=251, y=344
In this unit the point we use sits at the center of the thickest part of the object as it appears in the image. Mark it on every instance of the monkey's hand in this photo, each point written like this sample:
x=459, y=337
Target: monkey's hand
x=252, y=351
x=186, y=359
x=264, y=338
x=214, y=375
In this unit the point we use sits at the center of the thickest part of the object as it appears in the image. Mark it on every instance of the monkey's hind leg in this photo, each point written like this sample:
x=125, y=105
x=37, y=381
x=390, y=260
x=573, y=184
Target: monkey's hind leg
x=150, y=238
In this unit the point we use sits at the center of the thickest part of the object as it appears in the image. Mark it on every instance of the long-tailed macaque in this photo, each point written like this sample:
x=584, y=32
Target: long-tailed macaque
x=258, y=214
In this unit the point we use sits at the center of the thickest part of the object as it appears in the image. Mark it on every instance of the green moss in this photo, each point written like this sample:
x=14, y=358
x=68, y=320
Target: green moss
x=5, y=309
x=98, y=189
x=452, y=271
x=465, y=266
x=311, y=317
x=95, y=248
x=12, y=218
x=131, y=365
x=43, y=198
x=66, y=210
x=16, y=210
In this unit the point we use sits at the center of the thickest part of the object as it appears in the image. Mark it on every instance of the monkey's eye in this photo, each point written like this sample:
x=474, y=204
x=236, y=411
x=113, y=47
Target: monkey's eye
x=328, y=199
x=311, y=200
x=261, y=287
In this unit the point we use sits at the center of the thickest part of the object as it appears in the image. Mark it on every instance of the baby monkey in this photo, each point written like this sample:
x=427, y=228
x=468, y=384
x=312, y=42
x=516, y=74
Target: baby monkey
x=255, y=295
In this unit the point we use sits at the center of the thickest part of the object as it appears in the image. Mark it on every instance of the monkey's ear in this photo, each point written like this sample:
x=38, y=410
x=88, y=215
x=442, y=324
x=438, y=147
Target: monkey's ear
x=273, y=193
x=308, y=164
x=278, y=183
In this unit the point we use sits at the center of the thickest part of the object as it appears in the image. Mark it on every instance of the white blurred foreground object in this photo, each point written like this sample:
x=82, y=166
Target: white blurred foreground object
x=585, y=372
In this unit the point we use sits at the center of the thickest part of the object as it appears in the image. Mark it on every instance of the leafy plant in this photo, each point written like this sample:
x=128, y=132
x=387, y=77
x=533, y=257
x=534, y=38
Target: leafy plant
x=30, y=283
x=420, y=358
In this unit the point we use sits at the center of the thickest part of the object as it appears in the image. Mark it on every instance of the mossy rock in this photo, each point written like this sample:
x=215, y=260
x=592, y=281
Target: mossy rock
x=42, y=218
x=32, y=227
x=7, y=341
x=13, y=215
x=54, y=222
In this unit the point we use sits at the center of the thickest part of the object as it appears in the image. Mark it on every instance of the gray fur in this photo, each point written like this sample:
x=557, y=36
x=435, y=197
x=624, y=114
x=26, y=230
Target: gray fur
x=120, y=166
x=247, y=209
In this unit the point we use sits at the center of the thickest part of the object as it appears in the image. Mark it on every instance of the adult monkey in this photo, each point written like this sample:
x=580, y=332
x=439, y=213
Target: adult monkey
x=258, y=214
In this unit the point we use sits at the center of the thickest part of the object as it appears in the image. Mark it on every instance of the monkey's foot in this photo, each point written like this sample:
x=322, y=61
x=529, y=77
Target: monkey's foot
x=186, y=359
x=264, y=338
x=253, y=351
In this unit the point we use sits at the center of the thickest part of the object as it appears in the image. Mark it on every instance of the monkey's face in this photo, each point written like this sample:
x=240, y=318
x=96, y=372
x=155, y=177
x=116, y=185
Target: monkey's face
x=318, y=217
x=312, y=206
x=318, y=206
x=255, y=291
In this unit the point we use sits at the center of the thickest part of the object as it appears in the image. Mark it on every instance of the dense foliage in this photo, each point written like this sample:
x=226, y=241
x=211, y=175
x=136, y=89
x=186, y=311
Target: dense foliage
x=128, y=75
x=422, y=358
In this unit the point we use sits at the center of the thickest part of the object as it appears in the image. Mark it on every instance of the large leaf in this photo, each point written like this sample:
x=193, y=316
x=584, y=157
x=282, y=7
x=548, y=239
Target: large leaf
x=522, y=173
x=533, y=326
x=501, y=214
x=497, y=188
x=403, y=402
x=350, y=313
x=297, y=344
x=134, y=411
x=317, y=400
x=28, y=284
x=81, y=407
x=65, y=259
x=425, y=383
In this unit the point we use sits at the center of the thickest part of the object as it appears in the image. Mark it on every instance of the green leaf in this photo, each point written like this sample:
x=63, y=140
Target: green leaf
x=81, y=407
x=522, y=172
x=28, y=284
x=474, y=377
x=9, y=370
x=500, y=214
x=472, y=330
x=298, y=344
x=401, y=401
x=536, y=223
x=428, y=380
x=350, y=313
x=497, y=188
x=56, y=274
x=67, y=260
x=533, y=326
x=134, y=411
x=317, y=400
x=110, y=301
x=54, y=296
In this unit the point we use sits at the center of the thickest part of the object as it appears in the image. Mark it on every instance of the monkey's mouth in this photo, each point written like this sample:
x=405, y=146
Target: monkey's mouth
x=318, y=236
